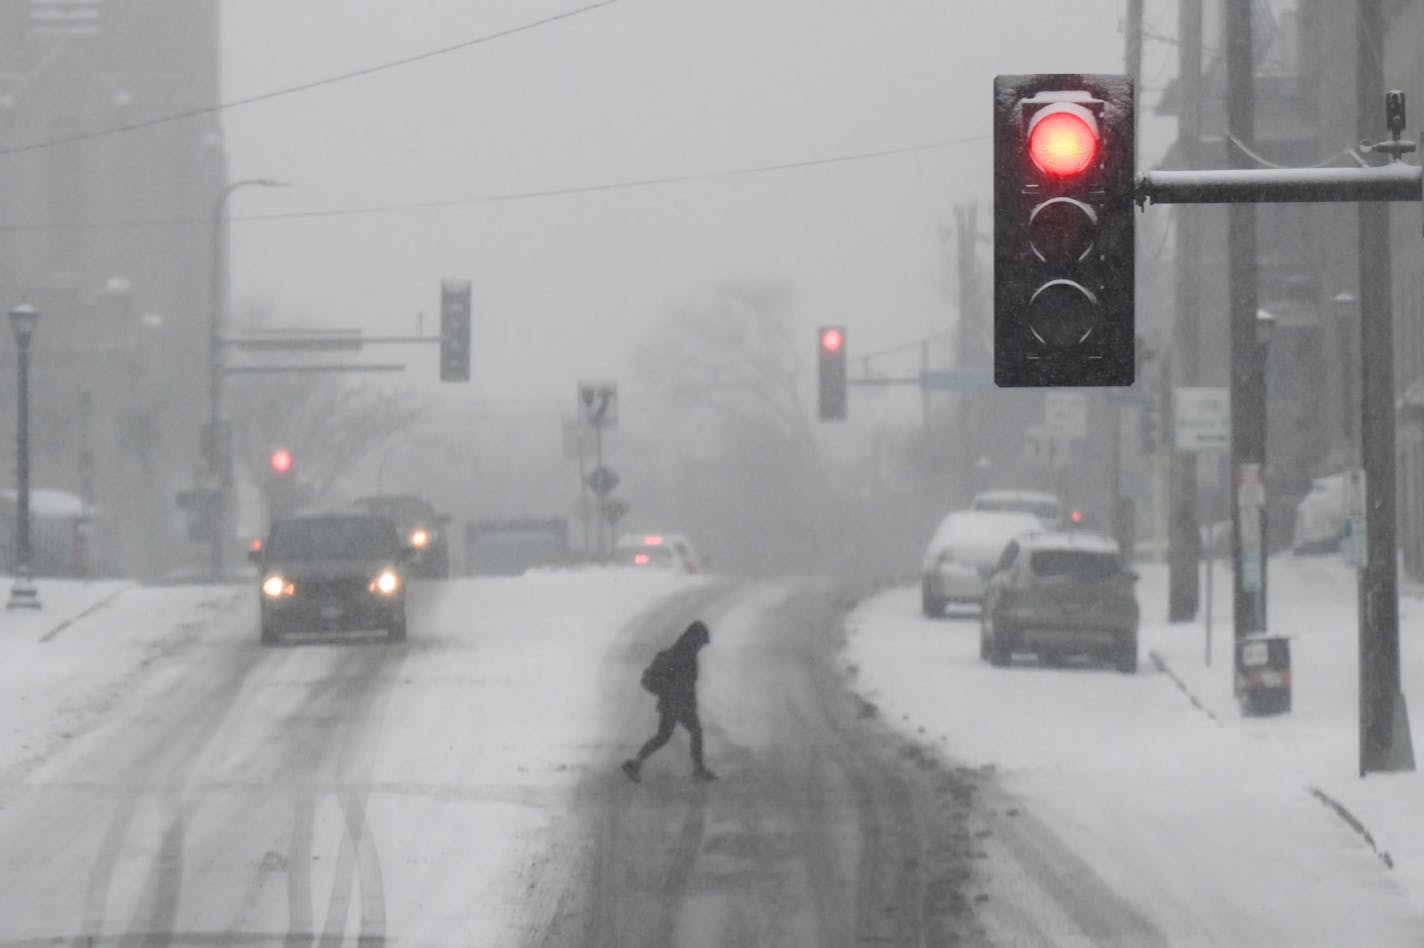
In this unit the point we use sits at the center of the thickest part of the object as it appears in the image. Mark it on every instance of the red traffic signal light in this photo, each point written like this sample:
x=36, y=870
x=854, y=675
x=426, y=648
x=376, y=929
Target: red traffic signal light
x=280, y=461
x=1064, y=179
x=1063, y=139
x=831, y=373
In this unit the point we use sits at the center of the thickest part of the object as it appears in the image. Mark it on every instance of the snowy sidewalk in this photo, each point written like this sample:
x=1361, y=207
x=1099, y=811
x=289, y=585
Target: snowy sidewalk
x=1316, y=745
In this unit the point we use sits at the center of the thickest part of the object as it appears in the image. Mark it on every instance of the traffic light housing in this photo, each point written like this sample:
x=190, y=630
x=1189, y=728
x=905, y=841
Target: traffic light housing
x=831, y=357
x=455, y=330
x=283, y=491
x=1063, y=230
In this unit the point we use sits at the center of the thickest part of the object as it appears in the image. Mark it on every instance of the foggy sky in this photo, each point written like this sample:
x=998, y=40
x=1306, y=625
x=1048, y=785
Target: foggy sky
x=564, y=286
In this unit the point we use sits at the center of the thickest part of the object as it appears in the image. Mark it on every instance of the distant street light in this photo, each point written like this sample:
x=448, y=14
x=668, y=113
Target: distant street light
x=22, y=594
x=215, y=446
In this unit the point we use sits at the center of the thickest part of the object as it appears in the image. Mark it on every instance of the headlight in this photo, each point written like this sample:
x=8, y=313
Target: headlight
x=386, y=584
x=275, y=587
x=419, y=537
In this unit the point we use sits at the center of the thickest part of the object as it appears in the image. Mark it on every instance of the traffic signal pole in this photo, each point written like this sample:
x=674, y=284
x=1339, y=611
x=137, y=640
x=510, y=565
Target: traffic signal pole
x=1384, y=725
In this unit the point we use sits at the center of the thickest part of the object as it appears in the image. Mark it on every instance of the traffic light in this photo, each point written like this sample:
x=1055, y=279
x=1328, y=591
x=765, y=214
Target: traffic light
x=831, y=343
x=455, y=330
x=283, y=492
x=1063, y=230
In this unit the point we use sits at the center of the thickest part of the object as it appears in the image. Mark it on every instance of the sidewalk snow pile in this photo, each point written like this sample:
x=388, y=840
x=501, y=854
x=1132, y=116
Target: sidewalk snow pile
x=1207, y=821
x=63, y=665
x=1314, y=601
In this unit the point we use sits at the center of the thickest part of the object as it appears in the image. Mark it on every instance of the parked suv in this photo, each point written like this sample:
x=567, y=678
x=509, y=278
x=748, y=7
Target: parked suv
x=420, y=526
x=332, y=573
x=1056, y=594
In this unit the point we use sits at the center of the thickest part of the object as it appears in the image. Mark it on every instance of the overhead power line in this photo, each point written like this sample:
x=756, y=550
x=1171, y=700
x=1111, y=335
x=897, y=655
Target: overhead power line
x=625, y=185
x=300, y=87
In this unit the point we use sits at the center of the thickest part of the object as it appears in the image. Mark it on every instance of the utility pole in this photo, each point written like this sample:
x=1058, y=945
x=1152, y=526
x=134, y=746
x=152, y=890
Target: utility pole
x=1384, y=722
x=966, y=233
x=1183, y=535
x=1248, y=403
x=1132, y=65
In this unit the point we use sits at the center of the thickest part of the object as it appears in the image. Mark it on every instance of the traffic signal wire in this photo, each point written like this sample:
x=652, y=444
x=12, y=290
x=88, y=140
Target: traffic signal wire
x=301, y=87
x=514, y=196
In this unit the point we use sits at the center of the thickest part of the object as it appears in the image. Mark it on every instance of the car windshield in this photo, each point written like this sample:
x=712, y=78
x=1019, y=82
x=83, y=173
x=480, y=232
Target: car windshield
x=331, y=538
x=1074, y=564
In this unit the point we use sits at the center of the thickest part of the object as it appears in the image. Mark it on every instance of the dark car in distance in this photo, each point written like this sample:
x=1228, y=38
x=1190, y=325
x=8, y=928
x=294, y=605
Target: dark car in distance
x=1057, y=594
x=420, y=525
x=332, y=573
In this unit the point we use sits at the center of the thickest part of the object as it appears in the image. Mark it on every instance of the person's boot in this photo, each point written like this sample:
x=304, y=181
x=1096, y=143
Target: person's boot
x=633, y=769
x=702, y=773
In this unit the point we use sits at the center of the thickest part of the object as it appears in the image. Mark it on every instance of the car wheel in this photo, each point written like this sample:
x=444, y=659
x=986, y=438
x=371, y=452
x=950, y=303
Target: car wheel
x=270, y=635
x=1127, y=656
x=933, y=608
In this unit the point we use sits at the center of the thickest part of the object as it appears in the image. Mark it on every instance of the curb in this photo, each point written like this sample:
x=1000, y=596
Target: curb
x=89, y=610
x=1353, y=822
x=1166, y=669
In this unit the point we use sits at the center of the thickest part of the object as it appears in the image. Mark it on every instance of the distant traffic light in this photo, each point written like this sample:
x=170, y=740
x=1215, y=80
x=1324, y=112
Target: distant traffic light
x=455, y=330
x=1063, y=230
x=283, y=487
x=280, y=461
x=831, y=346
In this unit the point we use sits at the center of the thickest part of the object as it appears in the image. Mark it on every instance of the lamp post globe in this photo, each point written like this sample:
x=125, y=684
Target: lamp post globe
x=23, y=319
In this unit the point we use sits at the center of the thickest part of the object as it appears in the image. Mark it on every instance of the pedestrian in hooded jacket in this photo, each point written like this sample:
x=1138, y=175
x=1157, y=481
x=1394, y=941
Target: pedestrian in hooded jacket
x=672, y=676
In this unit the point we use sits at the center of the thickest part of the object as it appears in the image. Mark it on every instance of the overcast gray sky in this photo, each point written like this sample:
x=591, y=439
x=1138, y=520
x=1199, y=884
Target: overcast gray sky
x=563, y=286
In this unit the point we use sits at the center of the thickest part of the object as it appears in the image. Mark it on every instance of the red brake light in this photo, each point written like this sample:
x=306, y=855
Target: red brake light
x=1076, y=516
x=1062, y=143
x=653, y=541
x=641, y=559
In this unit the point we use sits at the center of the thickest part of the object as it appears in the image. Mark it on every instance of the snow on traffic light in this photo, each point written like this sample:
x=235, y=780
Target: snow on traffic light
x=1063, y=230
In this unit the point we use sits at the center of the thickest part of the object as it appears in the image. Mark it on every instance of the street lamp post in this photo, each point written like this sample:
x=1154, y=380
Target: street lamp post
x=215, y=445
x=22, y=594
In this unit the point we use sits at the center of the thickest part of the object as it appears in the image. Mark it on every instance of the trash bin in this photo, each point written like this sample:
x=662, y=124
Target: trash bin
x=1263, y=676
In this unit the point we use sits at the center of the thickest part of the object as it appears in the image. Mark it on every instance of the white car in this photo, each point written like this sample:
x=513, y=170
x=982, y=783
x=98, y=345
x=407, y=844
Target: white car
x=961, y=555
x=657, y=550
x=1046, y=507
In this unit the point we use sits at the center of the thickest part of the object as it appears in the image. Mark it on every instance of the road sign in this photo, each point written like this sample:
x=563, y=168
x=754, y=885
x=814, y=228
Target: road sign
x=601, y=480
x=613, y=509
x=957, y=380
x=1352, y=545
x=1202, y=419
x=1250, y=501
x=598, y=405
x=1066, y=414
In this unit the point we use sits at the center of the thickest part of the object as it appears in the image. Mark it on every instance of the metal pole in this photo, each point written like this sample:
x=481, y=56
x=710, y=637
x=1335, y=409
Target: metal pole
x=1384, y=723
x=219, y=456
x=598, y=466
x=1247, y=401
x=1183, y=526
x=22, y=594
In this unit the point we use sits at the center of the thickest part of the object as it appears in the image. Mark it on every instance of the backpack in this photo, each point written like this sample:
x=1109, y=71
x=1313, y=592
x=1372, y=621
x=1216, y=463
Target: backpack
x=657, y=676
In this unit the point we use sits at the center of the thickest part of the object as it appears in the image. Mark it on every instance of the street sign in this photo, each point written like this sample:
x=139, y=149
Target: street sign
x=613, y=509
x=957, y=380
x=1250, y=501
x=1202, y=419
x=1066, y=414
x=601, y=480
x=598, y=405
x=1353, y=543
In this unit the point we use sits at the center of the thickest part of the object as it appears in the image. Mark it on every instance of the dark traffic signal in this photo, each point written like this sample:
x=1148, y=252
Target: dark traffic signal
x=831, y=355
x=1063, y=230
x=455, y=330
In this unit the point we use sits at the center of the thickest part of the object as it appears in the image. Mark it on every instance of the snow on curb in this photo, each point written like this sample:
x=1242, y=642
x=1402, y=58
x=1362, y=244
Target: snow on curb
x=85, y=613
x=1353, y=822
x=1342, y=811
